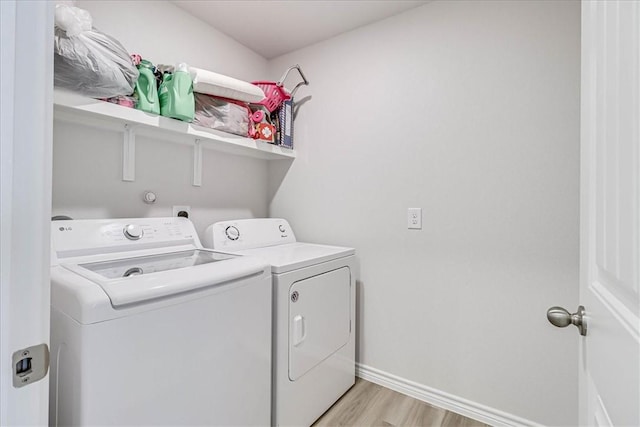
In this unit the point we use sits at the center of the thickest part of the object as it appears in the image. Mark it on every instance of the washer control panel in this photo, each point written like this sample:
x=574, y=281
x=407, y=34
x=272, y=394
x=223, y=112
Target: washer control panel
x=84, y=237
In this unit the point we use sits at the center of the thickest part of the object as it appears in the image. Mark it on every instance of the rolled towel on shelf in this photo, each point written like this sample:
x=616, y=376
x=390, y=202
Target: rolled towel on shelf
x=215, y=84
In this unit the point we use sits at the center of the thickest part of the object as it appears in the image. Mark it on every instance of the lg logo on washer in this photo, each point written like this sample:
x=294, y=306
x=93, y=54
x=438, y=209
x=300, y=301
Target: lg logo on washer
x=65, y=229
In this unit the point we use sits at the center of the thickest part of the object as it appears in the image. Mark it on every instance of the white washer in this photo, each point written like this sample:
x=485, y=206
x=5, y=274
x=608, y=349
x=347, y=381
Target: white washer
x=314, y=314
x=147, y=328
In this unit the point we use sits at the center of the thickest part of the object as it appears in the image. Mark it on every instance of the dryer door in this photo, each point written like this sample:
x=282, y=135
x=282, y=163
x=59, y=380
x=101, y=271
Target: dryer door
x=319, y=319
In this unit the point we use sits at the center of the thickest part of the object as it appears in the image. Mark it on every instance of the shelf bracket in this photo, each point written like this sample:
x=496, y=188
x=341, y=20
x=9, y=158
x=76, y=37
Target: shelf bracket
x=129, y=153
x=197, y=163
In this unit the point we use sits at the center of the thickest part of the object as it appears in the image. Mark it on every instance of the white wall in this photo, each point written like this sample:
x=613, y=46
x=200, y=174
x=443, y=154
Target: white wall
x=469, y=110
x=87, y=173
x=87, y=167
x=164, y=33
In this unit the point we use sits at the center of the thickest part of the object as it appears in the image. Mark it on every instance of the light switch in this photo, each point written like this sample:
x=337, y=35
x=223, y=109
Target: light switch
x=414, y=218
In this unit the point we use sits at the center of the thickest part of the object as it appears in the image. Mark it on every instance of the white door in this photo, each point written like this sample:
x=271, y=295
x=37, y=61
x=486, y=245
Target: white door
x=610, y=213
x=26, y=77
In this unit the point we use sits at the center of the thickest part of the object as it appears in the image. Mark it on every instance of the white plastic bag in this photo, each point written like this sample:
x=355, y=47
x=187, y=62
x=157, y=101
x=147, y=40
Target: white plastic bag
x=221, y=115
x=72, y=20
x=88, y=61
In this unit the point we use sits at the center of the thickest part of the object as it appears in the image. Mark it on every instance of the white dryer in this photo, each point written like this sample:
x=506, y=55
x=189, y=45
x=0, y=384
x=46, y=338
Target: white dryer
x=147, y=328
x=314, y=314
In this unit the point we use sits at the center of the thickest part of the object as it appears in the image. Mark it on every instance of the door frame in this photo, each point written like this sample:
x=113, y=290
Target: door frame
x=26, y=122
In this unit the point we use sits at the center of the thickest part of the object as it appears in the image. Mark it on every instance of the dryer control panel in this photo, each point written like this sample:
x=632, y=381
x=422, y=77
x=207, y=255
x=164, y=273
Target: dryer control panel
x=248, y=234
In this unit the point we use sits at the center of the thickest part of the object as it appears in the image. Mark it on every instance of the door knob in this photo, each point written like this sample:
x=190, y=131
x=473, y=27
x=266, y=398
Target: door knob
x=561, y=318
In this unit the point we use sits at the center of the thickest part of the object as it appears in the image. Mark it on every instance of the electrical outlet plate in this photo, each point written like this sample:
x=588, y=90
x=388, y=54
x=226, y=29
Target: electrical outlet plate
x=414, y=218
x=186, y=209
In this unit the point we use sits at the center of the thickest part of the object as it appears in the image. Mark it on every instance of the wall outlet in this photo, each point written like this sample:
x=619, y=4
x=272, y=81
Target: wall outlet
x=183, y=211
x=414, y=218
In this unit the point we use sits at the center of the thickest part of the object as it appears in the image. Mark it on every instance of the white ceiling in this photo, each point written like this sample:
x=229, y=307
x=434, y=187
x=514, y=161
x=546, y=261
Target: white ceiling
x=275, y=27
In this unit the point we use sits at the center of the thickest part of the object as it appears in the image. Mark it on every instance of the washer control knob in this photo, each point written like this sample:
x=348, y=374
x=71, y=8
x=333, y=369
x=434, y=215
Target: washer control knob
x=133, y=232
x=232, y=233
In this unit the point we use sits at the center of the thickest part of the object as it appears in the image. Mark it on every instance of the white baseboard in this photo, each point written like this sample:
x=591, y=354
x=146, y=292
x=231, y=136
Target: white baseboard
x=441, y=399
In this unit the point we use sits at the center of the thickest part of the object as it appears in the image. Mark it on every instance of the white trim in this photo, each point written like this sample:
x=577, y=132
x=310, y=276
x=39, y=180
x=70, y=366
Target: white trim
x=7, y=79
x=441, y=399
x=26, y=135
x=627, y=318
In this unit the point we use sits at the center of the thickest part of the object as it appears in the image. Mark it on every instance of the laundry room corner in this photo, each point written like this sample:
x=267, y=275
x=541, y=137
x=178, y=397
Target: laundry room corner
x=469, y=110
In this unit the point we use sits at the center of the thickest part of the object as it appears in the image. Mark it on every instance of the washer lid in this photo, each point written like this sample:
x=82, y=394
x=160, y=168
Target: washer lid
x=292, y=256
x=138, y=279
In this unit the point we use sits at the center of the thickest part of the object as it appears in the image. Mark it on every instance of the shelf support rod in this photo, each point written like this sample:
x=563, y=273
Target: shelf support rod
x=197, y=163
x=129, y=153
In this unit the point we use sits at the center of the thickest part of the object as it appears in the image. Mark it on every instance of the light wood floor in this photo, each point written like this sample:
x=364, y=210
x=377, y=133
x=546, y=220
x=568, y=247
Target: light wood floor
x=368, y=404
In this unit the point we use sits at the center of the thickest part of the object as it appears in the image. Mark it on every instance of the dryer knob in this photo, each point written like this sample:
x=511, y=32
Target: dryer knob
x=133, y=232
x=232, y=232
